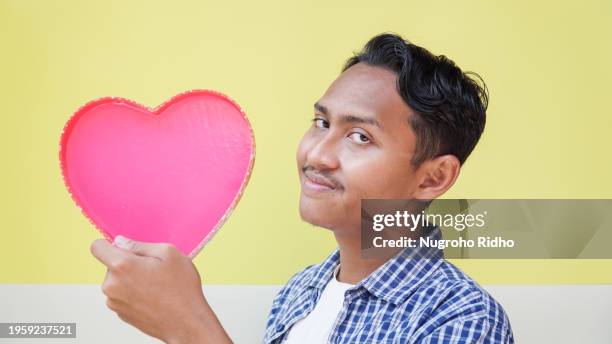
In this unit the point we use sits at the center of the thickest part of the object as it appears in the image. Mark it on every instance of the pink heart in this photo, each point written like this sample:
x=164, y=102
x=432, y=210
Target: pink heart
x=173, y=174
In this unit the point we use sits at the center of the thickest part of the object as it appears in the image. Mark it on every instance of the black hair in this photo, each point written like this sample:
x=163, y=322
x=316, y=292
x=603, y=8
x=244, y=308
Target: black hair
x=450, y=105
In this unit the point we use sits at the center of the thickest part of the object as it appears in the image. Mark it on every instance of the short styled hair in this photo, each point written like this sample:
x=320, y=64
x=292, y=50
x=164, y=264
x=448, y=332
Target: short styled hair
x=450, y=104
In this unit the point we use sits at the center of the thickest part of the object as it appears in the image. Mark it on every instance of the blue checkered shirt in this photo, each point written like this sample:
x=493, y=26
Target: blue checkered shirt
x=415, y=297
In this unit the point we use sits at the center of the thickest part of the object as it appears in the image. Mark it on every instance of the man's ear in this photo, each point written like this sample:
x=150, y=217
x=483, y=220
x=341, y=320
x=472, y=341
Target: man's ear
x=436, y=176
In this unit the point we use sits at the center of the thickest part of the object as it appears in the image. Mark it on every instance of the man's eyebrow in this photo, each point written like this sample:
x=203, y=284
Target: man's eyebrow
x=350, y=118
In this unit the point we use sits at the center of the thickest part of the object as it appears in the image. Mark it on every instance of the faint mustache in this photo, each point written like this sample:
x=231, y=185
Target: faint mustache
x=311, y=173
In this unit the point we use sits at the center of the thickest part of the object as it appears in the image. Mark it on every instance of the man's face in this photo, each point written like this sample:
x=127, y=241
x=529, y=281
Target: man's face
x=359, y=146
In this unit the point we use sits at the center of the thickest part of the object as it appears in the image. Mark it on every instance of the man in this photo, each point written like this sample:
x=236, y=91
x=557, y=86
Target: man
x=398, y=123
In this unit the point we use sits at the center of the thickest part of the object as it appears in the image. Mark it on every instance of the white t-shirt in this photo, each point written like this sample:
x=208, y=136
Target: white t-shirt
x=315, y=327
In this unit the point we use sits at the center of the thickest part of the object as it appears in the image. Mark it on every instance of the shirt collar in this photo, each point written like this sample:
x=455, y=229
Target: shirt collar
x=323, y=272
x=393, y=281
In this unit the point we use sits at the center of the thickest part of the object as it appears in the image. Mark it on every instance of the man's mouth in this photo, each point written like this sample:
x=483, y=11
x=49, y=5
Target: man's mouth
x=317, y=182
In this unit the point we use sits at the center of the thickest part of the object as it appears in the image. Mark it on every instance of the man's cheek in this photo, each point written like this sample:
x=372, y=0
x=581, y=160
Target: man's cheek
x=363, y=185
x=301, y=151
x=351, y=198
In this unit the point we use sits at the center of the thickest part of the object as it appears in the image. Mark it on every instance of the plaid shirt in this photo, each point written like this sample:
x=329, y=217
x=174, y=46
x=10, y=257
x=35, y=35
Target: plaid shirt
x=415, y=297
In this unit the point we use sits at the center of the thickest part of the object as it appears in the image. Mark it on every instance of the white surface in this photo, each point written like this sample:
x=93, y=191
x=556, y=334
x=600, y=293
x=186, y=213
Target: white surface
x=558, y=314
x=538, y=314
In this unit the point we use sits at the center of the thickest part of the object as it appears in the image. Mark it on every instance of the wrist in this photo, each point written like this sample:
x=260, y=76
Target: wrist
x=202, y=327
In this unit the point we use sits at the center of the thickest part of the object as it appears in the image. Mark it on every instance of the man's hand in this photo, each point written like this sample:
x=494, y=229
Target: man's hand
x=157, y=289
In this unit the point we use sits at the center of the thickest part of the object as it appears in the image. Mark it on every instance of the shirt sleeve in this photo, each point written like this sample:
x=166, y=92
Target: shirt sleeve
x=479, y=330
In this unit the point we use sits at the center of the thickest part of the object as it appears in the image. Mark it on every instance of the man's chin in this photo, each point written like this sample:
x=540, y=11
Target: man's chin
x=315, y=212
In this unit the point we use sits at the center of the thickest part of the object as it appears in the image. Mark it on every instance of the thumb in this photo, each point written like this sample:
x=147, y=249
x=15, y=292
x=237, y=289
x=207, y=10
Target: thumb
x=139, y=248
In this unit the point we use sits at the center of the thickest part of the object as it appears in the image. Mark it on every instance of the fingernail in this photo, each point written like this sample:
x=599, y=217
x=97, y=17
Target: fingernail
x=121, y=241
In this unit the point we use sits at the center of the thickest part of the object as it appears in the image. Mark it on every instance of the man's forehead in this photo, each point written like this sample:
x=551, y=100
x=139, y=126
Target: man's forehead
x=365, y=89
x=363, y=79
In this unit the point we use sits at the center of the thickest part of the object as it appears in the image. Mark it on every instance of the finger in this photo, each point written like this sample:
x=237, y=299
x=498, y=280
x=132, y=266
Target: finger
x=108, y=254
x=129, y=318
x=155, y=250
x=115, y=305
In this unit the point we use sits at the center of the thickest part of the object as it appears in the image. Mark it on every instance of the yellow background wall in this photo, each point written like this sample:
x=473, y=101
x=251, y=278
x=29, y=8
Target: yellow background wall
x=546, y=65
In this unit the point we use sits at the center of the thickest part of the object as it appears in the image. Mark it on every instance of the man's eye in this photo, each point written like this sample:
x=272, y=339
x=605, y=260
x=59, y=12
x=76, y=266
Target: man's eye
x=320, y=123
x=360, y=138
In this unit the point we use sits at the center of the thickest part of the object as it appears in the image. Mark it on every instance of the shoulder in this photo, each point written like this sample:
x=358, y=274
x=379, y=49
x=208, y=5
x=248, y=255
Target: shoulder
x=298, y=281
x=315, y=275
x=295, y=286
x=456, y=303
x=460, y=290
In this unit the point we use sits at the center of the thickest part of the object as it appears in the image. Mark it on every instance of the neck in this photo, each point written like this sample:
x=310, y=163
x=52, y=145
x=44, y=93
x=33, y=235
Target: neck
x=353, y=267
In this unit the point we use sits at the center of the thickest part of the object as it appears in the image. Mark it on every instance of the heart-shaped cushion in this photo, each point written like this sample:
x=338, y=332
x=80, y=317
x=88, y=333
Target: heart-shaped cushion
x=172, y=174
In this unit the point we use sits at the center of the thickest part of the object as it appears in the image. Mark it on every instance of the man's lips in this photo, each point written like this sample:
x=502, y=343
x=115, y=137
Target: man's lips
x=320, y=181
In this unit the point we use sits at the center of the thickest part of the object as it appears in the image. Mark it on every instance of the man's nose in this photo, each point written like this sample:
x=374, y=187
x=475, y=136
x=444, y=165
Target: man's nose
x=324, y=155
